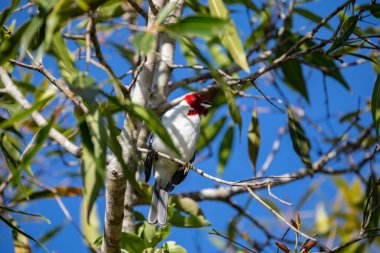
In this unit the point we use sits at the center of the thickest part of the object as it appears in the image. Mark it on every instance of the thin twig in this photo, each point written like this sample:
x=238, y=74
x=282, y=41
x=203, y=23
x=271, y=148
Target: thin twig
x=277, y=198
x=214, y=232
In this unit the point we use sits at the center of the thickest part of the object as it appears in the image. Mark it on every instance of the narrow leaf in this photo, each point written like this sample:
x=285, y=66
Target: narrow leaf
x=36, y=143
x=165, y=12
x=209, y=132
x=90, y=226
x=20, y=231
x=254, y=139
x=225, y=149
x=234, y=111
x=201, y=26
x=301, y=144
x=294, y=78
x=230, y=38
x=94, y=148
x=190, y=221
x=25, y=213
x=375, y=104
x=311, y=16
x=132, y=243
x=346, y=30
x=144, y=41
x=18, y=118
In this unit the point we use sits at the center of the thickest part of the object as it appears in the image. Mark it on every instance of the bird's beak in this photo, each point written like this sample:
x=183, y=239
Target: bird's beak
x=206, y=104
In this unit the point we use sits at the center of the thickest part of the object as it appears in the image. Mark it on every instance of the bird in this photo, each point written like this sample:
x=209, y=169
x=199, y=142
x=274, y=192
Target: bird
x=183, y=123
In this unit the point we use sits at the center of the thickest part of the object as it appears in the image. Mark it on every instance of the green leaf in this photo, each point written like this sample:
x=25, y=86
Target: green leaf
x=93, y=160
x=225, y=149
x=91, y=225
x=144, y=41
x=132, y=243
x=65, y=59
x=373, y=212
x=24, y=213
x=234, y=111
x=375, y=10
x=322, y=223
x=209, y=132
x=152, y=234
x=201, y=26
x=254, y=139
x=375, y=104
x=20, y=231
x=18, y=118
x=36, y=143
x=293, y=75
x=165, y=12
x=311, y=16
x=230, y=38
x=300, y=142
x=327, y=62
x=186, y=205
x=172, y=247
x=346, y=30
x=190, y=221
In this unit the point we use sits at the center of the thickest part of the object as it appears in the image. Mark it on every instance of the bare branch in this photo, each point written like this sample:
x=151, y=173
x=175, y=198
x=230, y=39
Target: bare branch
x=37, y=117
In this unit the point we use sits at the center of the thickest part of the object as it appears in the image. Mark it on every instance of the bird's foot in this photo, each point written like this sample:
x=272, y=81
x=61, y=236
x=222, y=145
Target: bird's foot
x=188, y=166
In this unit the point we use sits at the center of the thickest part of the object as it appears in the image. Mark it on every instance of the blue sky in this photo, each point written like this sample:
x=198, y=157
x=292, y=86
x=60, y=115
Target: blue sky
x=361, y=80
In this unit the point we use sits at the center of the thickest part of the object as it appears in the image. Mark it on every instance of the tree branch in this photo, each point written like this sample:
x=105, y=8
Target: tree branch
x=12, y=90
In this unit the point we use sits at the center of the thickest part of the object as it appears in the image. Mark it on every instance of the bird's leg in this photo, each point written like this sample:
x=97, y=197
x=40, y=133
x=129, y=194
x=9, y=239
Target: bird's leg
x=188, y=166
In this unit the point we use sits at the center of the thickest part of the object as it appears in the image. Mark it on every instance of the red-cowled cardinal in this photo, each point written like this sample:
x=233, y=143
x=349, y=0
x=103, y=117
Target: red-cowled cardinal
x=182, y=122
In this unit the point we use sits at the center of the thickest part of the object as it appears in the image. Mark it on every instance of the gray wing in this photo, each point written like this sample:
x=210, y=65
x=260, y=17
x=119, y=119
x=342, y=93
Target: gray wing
x=149, y=160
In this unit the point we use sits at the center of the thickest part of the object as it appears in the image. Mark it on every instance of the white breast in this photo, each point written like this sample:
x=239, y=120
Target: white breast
x=184, y=131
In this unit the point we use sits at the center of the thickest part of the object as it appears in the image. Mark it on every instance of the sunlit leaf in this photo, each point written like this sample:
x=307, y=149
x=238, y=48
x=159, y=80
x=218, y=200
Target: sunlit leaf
x=344, y=34
x=90, y=226
x=189, y=221
x=36, y=143
x=300, y=142
x=59, y=191
x=18, y=118
x=230, y=38
x=94, y=151
x=209, y=132
x=322, y=223
x=201, y=26
x=165, y=12
x=132, y=243
x=225, y=149
x=20, y=243
x=254, y=139
x=144, y=41
x=375, y=104
x=172, y=247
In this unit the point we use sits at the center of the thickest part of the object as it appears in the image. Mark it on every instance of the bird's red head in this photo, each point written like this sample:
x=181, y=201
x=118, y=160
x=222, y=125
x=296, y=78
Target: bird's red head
x=196, y=102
